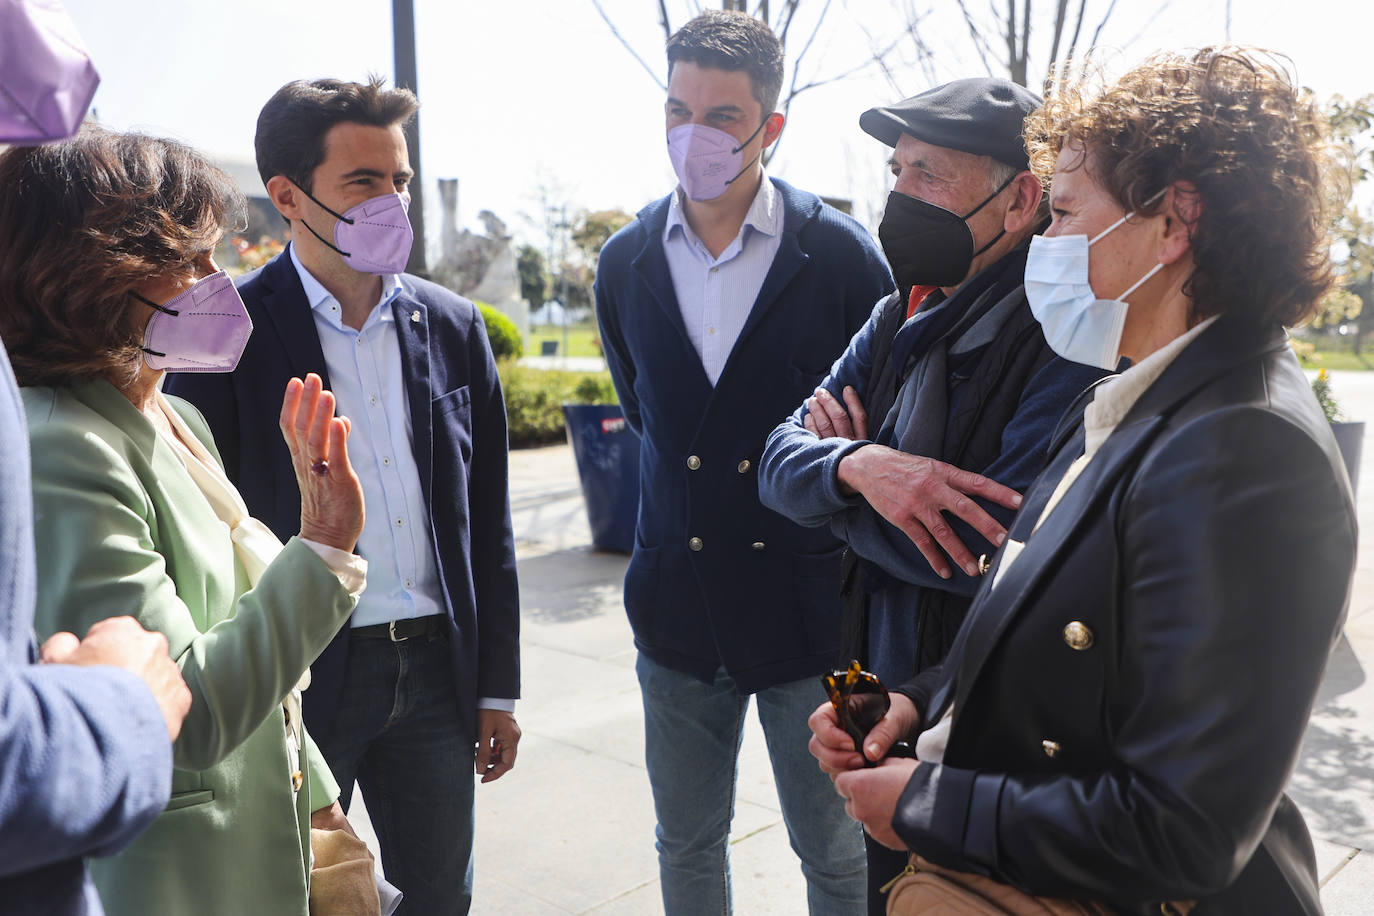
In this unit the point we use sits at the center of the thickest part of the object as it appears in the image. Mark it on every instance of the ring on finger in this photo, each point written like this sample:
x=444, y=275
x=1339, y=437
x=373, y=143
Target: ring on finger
x=320, y=468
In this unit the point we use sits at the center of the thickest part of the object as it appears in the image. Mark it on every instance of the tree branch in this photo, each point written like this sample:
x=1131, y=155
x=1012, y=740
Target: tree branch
x=979, y=42
x=626, y=45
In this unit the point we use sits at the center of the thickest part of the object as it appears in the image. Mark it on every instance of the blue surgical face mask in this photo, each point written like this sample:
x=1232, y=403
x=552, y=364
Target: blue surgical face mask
x=1078, y=326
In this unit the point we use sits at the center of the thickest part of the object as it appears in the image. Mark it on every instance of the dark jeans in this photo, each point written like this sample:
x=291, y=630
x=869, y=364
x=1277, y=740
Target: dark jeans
x=397, y=732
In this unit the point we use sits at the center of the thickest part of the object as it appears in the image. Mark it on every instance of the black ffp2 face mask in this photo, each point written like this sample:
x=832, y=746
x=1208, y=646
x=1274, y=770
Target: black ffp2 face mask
x=927, y=245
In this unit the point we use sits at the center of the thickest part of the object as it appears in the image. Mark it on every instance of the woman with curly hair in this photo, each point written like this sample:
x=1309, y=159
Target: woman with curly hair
x=107, y=280
x=1114, y=726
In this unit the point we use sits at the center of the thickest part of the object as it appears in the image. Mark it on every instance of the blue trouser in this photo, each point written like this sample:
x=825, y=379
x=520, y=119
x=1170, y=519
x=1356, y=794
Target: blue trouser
x=398, y=732
x=692, y=739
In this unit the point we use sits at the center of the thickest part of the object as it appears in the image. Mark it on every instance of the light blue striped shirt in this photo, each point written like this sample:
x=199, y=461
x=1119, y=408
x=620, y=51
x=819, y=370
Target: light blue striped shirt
x=716, y=295
x=368, y=383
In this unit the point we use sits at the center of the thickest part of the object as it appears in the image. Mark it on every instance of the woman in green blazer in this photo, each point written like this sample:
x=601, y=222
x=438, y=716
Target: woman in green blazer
x=106, y=281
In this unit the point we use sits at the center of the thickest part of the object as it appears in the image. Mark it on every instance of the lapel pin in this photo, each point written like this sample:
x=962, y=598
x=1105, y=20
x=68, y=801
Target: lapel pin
x=415, y=316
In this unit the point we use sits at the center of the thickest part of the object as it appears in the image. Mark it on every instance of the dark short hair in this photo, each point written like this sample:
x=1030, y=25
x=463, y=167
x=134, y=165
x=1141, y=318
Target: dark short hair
x=82, y=224
x=732, y=41
x=1232, y=123
x=292, y=125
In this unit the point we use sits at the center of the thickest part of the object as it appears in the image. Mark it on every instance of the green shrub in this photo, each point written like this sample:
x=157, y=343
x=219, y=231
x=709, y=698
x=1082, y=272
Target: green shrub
x=535, y=398
x=595, y=389
x=502, y=332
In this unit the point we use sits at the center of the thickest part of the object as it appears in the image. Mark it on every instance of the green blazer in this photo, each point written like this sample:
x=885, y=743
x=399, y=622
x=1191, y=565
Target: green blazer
x=122, y=529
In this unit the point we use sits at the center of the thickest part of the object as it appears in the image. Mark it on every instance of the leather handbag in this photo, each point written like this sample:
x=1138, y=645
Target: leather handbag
x=926, y=889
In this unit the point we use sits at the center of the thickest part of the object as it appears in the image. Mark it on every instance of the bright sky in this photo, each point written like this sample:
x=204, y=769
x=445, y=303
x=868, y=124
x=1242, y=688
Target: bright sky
x=522, y=93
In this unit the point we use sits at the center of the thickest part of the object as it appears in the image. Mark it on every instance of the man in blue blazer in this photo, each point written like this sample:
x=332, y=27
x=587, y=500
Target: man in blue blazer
x=85, y=752
x=429, y=667
x=719, y=307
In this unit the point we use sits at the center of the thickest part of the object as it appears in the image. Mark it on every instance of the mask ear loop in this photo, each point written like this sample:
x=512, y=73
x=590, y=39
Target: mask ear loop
x=339, y=216
x=1000, y=188
x=161, y=308
x=749, y=140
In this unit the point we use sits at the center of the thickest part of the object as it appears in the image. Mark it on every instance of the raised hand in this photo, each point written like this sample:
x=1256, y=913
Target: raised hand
x=331, y=496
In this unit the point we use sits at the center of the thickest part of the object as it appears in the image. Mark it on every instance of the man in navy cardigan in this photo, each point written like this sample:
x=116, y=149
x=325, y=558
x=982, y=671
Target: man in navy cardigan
x=720, y=307
x=429, y=666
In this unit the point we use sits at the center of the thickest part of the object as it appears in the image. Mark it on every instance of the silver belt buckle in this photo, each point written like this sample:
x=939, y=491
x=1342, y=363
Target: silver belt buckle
x=391, y=632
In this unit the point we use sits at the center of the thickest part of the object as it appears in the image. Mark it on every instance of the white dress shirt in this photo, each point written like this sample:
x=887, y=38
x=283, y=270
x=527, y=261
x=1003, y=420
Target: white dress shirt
x=368, y=384
x=366, y=377
x=716, y=295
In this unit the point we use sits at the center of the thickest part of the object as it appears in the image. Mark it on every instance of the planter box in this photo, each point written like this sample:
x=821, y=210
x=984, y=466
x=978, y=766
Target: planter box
x=1350, y=438
x=607, y=455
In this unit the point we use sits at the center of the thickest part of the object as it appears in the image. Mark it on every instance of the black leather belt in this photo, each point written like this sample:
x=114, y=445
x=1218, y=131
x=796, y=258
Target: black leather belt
x=401, y=630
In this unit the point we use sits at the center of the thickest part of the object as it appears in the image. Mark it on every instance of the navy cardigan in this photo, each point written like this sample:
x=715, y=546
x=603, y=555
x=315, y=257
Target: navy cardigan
x=717, y=579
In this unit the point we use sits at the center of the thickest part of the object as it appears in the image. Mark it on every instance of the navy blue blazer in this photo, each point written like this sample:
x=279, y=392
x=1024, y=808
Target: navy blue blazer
x=458, y=422
x=85, y=760
x=717, y=579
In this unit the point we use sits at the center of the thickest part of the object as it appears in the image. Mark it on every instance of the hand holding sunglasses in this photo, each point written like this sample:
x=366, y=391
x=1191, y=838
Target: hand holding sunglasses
x=860, y=701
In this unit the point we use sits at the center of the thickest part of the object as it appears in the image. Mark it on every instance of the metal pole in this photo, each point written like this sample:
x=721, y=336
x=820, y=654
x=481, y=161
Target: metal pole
x=403, y=44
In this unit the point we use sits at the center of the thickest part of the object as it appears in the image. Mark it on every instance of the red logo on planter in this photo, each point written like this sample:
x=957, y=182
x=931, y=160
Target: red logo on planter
x=613, y=425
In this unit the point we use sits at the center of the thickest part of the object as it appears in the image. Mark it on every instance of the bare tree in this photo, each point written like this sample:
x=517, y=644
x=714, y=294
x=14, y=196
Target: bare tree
x=804, y=70
x=1030, y=44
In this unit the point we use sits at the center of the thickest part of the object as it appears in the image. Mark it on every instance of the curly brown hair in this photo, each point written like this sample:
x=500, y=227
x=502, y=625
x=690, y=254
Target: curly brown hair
x=1231, y=123
x=82, y=224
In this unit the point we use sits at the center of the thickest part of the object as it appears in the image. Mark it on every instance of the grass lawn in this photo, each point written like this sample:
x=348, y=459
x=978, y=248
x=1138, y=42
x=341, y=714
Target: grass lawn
x=1334, y=353
x=581, y=339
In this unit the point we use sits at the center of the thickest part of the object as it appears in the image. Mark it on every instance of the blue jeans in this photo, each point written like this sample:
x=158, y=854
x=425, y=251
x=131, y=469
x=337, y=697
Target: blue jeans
x=398, y=732
x=692, y=735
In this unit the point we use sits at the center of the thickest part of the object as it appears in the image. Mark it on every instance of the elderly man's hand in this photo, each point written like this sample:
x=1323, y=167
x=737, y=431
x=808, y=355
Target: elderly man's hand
x=871, y=796
x=331, y=496
x=834, y=749
x=912, y=491
x=828, y=418
x=122, y=642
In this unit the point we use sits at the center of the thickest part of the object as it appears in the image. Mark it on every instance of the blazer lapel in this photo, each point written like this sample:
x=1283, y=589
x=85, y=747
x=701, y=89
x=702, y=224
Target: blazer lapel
x=412, y=330
x=289, y=317
x=651, y=265
x=1000, y=604
x=1220, y=348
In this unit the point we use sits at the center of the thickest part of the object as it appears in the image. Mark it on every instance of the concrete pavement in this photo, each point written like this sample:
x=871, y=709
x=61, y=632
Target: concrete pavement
x=570, y=829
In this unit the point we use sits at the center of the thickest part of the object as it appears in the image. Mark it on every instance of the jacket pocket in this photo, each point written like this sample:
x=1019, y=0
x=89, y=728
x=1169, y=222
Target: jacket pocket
x=643, y=604
x=190, y=799
x=816, y=596
x=452, y=413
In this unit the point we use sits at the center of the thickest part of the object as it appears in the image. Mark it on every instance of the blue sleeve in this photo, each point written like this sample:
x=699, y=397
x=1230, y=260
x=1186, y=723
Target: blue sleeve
x=797, y=474
x=613, y=346
x=493, y=544
x=85, y=762
x=1025, y=443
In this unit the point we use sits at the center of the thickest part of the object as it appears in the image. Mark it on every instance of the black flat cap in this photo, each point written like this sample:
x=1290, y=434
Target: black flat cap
x=981, y=116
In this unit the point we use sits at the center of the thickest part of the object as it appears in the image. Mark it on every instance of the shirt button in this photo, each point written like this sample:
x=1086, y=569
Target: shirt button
x=400, y=521
x=743, y=466
x=410, y=583
x=693, y=462
x=695, y=544
x=386, y=461
x=373, y=399
x=715, y=269
x=360, y=338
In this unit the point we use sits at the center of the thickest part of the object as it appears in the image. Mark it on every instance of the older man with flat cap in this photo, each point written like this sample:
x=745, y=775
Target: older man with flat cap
x=915, y=448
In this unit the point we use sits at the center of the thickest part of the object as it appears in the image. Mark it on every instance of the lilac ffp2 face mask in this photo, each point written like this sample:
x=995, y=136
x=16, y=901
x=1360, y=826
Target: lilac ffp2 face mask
x=203, y=329
x=707, y=160
x=373, y=237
